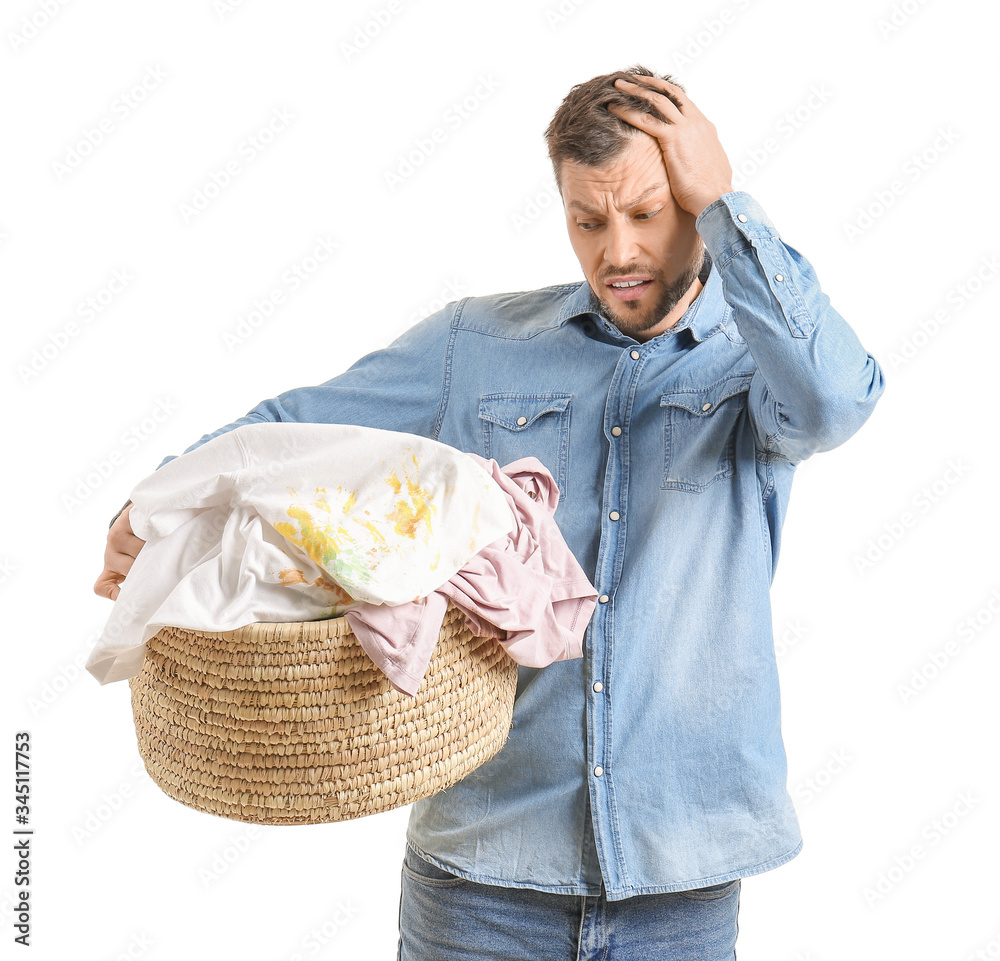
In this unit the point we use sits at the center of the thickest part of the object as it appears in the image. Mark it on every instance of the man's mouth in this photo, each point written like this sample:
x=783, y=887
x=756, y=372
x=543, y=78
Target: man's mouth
x=629, y=288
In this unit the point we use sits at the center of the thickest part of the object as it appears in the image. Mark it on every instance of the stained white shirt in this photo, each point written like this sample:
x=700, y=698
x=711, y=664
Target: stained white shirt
x=291, y=522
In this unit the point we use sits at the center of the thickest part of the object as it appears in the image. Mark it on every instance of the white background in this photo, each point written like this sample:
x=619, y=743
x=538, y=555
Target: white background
x=853, y=96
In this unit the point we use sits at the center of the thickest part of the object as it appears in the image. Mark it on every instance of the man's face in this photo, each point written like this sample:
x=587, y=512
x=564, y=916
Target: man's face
x=625, y=226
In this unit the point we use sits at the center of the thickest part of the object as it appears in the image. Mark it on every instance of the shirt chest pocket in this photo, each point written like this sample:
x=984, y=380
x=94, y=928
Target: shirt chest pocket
x=699, y=433
x=528, y=425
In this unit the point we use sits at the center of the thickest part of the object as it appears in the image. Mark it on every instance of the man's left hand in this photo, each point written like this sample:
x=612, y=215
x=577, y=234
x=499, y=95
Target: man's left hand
x=698, y=170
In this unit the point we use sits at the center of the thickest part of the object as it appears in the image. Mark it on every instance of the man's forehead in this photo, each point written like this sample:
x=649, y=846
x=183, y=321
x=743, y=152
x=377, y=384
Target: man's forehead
x=574, y=202
x=631, y=178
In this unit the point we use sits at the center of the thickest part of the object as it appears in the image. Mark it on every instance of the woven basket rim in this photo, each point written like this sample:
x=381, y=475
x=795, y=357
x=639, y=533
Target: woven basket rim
x=321, y=627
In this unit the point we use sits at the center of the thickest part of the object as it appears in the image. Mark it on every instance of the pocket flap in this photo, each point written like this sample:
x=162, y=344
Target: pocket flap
x=704, y=401
x=520, y=411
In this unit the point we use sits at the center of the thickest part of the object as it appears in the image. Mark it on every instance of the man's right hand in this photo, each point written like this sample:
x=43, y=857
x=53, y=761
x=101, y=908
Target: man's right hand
x=119, y=555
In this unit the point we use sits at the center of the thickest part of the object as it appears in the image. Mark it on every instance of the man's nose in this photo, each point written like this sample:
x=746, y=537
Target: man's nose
x=621, y=246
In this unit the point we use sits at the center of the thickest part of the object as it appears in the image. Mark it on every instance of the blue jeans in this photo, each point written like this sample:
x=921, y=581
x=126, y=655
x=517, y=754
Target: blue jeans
x=443, y=917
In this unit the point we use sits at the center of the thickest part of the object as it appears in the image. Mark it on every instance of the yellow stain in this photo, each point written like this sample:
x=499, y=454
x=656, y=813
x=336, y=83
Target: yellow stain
x=317, y=541
x=408, y=516
x=373, y=530
x=292, y=575
x=324, y=536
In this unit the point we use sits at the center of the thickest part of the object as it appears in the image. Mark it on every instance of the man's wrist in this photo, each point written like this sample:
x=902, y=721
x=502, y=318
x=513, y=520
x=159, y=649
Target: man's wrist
x=706, y=200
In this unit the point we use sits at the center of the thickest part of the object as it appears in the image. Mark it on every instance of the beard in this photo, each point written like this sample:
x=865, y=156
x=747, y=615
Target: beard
x=636, y=316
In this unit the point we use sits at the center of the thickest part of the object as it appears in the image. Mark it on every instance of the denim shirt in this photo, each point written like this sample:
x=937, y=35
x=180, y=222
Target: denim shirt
x=655, y=763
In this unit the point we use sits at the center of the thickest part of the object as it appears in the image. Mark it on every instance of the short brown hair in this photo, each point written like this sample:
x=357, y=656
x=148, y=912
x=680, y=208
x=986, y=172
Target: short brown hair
x=585, y=131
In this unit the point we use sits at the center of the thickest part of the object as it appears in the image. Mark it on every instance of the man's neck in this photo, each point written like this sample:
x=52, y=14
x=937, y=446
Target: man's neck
x=680, y=308
x=675, y=314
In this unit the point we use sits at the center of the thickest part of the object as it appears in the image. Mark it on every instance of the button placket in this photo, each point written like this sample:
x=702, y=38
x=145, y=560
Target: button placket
x=619, y=402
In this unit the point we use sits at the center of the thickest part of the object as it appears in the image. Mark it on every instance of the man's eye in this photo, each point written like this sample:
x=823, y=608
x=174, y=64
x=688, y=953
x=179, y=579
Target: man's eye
x=587, y=225
x=647, y=215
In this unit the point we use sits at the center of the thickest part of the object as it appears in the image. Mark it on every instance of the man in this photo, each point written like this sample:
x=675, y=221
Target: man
x=671, y=395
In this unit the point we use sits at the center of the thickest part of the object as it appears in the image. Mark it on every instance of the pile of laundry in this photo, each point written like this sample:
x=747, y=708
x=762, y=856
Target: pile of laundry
x=297, y=522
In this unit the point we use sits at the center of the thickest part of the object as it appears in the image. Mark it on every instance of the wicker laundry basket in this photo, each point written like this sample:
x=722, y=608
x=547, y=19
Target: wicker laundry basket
x=293, y=723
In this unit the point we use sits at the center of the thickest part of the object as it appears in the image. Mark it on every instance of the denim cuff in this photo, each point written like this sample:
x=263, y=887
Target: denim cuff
x=732, y=219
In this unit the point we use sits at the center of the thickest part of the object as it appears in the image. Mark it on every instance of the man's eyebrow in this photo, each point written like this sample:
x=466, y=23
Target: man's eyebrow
x=587, y=209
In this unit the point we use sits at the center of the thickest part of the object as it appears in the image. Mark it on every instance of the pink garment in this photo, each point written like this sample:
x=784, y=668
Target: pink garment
x=526, y=588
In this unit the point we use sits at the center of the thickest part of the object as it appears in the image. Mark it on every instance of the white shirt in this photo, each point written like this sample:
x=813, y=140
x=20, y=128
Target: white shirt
x=292, y=522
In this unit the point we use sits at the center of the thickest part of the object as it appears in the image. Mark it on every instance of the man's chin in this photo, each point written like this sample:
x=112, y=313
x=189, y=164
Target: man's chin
x=630, y=316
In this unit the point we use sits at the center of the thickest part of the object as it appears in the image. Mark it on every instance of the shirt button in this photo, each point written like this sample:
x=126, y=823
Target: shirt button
x=521, y=421
x=634, y=355
x=598, y=771
x=742, y=218
x=598, y=686
x=614, y=515
x=706, y=406
x=616, y=432
x=604, y=598
x=779, y=277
